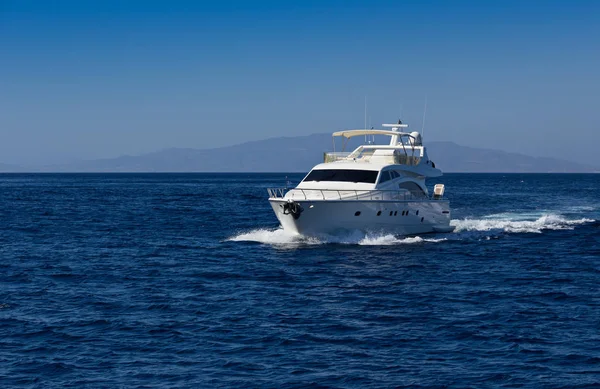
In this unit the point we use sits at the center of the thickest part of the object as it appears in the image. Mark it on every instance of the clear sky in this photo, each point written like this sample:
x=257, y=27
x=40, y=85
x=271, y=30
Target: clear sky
x=84, y=80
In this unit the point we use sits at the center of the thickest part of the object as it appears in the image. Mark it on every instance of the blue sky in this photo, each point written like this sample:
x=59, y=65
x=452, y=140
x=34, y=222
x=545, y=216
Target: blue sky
x=84, y=80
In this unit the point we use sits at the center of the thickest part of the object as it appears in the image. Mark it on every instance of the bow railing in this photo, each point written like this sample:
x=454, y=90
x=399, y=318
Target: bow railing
x=347, y=194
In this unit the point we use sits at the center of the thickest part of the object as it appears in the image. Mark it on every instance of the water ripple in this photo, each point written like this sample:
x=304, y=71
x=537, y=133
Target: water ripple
x=151, y=281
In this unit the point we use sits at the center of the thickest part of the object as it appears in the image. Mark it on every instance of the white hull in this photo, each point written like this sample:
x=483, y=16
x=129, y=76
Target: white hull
x=395, y=217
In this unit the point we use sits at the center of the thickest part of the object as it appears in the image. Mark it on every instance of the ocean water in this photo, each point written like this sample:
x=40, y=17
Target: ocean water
x=185, y=280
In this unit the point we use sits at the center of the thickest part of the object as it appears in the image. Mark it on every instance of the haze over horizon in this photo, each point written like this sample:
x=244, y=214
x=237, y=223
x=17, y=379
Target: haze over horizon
x=87, y=80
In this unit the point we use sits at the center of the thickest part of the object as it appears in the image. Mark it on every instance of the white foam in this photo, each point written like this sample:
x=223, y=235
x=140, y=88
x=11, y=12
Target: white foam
x=530, y=222
x=518, y=223
x=388, y=240
x=281, y=237
x=277, y=237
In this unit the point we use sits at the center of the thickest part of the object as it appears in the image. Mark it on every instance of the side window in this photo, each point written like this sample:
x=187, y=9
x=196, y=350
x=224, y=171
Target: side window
x=385, y=176
x=394, y=174
x=413, y=188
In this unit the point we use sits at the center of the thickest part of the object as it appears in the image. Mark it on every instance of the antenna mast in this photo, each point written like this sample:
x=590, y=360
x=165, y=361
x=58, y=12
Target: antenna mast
x=365, y=117
x=365, y=127
x=424, y=112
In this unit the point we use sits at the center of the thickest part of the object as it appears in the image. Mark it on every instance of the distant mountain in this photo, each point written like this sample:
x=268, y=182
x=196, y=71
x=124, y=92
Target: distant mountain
x=299, y=154
x=455, y=158
x=287, y=154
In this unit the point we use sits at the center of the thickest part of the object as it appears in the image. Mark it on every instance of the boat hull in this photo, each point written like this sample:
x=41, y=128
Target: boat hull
x=333, y=217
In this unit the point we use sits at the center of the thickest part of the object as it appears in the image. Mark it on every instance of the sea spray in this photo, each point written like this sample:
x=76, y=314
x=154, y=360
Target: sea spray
x=505, y=222
x=280, y=237
x=517, y=223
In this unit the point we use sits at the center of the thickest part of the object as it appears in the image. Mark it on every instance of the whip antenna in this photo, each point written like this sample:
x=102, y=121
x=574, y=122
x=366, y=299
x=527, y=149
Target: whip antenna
x=365, y=118
x=424, y=112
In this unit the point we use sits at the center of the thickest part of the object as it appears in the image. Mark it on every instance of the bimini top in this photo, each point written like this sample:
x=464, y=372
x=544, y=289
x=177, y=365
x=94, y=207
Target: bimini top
x=351, y=133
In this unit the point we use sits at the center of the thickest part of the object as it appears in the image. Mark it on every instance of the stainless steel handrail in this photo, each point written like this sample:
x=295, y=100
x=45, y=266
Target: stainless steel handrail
x=353, y=194
x=362, y=154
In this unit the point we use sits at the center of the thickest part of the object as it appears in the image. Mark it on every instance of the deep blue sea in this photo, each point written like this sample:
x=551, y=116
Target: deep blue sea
x=184, y=280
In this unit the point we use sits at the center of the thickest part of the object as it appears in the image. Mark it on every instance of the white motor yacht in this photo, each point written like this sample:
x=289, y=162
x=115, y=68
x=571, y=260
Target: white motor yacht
x=375, y=188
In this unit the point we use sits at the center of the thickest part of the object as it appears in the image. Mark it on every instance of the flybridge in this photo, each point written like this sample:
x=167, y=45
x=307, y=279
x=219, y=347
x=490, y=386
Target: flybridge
x=405, y=148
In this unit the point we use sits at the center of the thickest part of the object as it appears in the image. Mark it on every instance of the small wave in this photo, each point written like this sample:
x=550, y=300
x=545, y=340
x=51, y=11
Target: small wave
x=518, y=223
x=581, y=208
x=281, y=237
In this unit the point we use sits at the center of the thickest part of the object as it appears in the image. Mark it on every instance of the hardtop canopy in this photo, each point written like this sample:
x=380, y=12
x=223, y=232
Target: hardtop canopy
x=352, y=133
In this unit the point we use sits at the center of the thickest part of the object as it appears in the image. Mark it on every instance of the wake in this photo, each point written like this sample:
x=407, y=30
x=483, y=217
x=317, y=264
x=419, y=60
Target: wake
x=280, y=237
x=518, y=223
x=505, y=222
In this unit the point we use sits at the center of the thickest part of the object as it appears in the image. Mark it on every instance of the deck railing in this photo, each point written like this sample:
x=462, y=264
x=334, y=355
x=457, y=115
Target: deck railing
x=334, y=156
x=346, y=194
x=365, y=155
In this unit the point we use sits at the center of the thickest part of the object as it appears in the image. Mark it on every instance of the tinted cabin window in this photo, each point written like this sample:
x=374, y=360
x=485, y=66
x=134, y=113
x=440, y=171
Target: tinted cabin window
x=367, y=176
x=394, y=174
x=385, y=176
x=413, y=188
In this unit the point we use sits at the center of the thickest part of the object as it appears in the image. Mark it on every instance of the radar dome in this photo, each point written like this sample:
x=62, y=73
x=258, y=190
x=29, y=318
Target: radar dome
x=415, y=139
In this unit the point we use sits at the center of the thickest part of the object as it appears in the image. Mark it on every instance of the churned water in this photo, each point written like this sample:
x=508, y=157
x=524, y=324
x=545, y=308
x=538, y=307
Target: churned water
x=186, y=281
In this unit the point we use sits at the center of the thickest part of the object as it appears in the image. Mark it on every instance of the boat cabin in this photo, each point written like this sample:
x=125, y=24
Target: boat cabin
x=402, y=165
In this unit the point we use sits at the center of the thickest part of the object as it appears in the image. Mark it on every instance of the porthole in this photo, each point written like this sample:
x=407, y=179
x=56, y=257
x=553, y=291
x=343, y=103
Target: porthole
x=379, y=213
x=417, y=213
x=395, y=213
x=422, y=219
x=357, y=213
x=391, y=213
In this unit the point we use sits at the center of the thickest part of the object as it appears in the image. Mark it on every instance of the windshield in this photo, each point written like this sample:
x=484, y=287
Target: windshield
x=366, y=176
